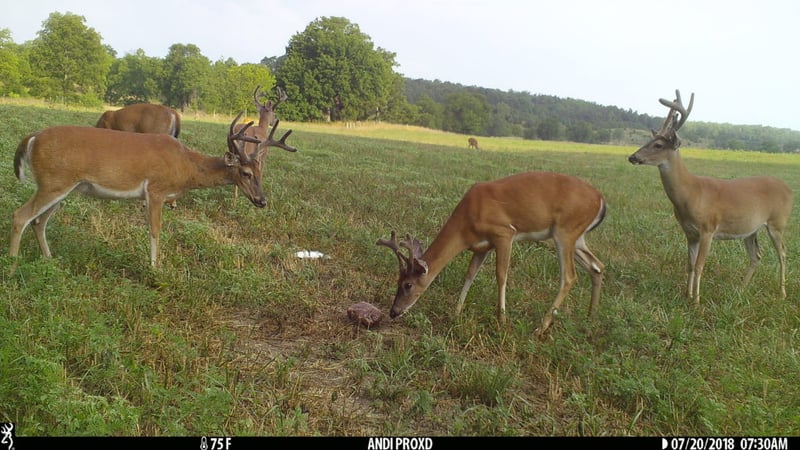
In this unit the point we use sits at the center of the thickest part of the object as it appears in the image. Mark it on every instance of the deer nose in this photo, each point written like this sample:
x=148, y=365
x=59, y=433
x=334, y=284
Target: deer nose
x=260, y=202
x=634, y=160
x=395, y=313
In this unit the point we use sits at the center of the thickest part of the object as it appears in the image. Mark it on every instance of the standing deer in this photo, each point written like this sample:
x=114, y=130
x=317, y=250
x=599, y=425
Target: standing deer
x=710, y=208
x=142, y=118
x=491, y=216
x=473, y=143
x=266, y=119
x=110, y=164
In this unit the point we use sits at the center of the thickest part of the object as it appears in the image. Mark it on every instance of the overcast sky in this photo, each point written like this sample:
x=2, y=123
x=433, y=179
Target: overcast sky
x=740, y=58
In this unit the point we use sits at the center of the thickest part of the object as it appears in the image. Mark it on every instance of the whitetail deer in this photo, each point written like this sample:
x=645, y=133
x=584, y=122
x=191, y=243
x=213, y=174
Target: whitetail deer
x=710, y=208
x=110, y=164
x=142, y=118
x=261, y=132
x=491, y=216
x=473, y=143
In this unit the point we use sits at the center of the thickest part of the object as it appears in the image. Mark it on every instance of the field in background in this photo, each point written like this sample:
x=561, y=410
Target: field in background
x=234, y=335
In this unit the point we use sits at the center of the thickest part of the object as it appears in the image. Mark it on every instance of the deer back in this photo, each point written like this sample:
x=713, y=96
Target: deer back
x=142, y=118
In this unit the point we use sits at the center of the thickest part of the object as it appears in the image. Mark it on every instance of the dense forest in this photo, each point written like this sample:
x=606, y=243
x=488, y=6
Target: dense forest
x=331, y=71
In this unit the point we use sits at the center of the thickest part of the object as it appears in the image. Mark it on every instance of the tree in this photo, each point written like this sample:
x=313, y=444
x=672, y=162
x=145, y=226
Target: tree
x=580, y=132
x=333, y=71
x=70, y=60
x=549, y=129
x=12, y=66
x=500, y=121
x=466, y=112
x=185, y=72
x=241, y=81
x=431, y=114
x=134, y=79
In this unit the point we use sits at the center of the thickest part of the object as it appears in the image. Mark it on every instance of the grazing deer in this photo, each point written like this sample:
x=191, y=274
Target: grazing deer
x=491, y=216
x=110, y=164
x=266, y=119
x=142, y=118
x=473, y=143
x=710, y=208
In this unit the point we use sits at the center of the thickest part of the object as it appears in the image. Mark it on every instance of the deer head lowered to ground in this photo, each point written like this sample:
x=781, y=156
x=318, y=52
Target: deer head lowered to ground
x=710, y=208
x=142, y=118
x=491, y=216
x=111, y=164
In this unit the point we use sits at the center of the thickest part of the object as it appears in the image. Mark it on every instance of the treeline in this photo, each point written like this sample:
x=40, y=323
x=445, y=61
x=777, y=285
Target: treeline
x=331, y=71
x=493, y=112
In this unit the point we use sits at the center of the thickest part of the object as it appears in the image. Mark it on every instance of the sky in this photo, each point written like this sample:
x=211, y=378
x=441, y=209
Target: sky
x=739, y=57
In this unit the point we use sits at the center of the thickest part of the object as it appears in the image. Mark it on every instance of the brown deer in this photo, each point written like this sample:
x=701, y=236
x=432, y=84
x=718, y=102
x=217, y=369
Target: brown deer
x=110, y=164
x=142, y=118
x=710, y=208
x=473, y=143
x=491, y=216
x=261, y=132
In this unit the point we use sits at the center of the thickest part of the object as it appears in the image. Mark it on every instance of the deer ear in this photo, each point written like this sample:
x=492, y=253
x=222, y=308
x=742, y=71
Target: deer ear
x=655, y=133
x=231, y=159
x=420, y=267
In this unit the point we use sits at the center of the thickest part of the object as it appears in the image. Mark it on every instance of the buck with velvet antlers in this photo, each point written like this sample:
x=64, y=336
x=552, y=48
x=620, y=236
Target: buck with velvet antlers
x=491, y=216
x=262, y=132
x=710, y=208
x=111, y=164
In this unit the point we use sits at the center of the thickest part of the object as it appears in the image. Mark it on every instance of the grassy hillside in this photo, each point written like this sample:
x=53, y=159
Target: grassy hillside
x=235, y=335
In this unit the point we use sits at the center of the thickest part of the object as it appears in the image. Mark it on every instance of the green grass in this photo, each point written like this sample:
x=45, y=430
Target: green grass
x=233, y=335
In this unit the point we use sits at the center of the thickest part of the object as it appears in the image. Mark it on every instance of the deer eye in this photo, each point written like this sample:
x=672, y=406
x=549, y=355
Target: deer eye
x=407, y=286
x=246, y=174
x=659, y=145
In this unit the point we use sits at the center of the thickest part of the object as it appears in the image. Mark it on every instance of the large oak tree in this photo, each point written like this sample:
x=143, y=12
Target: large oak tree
x=333, y=71
x=69, y=60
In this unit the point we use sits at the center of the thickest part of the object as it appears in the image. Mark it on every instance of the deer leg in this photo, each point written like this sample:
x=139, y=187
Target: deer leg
x=38, y=209
x=39, y=226
x=154, y=211
x=502, y=262
x=472, y=270
x=566, y=262
x=594, y=267
x=751, y=245
x=702, y=251
x=776, y=235
x=693, y=244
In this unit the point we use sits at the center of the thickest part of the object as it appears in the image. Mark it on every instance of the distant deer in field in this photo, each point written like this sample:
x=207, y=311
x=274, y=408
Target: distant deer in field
x=710, y=208
x=261, y=132
x=110, y=164
x=491, y=216
x=142, y=118
x=473, y=143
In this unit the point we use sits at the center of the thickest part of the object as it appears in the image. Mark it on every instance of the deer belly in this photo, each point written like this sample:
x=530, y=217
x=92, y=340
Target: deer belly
x=534, y=235
x=98, y=191
x=723, y=236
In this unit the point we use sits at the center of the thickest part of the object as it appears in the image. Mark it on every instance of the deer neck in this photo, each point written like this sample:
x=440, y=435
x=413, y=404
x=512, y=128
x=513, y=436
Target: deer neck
x=207, y=171
x=265, y=120
x=677, y=180
x=446, y=246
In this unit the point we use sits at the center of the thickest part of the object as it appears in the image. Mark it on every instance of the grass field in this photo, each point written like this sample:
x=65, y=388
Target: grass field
x=235, y=335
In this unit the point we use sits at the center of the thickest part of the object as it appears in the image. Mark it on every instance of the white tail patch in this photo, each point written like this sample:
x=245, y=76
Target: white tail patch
x=26, y=160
